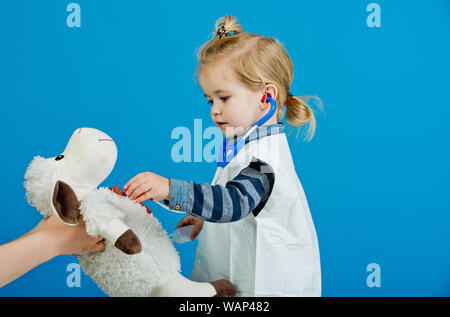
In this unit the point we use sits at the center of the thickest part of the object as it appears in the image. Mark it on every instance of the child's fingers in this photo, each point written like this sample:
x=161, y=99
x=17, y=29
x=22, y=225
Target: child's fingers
x=195, y=232
x=186, y=221
x=142, y=188
x=130, y=187
x=131, y=181
x=133, y=186
x=147, y=195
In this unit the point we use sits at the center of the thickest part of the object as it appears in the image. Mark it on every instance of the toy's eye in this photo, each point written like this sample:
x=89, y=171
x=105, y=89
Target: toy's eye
x=59, y=157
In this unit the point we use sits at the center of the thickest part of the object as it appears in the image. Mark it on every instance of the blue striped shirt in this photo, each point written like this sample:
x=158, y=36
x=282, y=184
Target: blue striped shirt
x=247, y=192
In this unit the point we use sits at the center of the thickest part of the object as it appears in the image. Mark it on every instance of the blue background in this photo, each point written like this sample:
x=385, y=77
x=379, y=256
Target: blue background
x=375, y=174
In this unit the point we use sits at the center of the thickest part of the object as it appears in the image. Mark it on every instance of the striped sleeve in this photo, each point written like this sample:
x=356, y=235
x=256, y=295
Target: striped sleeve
x=247, y=192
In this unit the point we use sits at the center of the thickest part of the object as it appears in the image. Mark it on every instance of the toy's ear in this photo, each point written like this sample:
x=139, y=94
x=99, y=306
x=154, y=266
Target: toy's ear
x=66, y=203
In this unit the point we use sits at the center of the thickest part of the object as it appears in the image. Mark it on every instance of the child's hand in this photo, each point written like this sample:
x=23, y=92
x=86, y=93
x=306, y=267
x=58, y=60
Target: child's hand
x=191, y=220
x=147, y=185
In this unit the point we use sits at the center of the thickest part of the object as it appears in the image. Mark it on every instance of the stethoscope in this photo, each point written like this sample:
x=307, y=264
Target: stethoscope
x=229, y=153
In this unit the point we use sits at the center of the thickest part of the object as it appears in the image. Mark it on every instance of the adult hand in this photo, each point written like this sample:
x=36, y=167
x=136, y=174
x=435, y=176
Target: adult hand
x=67, y=239
x=51, y=237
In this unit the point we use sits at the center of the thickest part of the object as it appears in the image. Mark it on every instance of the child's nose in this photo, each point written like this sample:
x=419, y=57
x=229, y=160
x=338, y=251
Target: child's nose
x=216, y=110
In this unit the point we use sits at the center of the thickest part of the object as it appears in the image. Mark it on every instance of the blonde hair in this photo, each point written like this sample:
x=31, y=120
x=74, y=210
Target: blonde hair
x=257, y=61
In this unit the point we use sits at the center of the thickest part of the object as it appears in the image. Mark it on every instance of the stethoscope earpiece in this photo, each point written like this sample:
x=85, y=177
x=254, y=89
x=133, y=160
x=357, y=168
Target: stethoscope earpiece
x=264, y=97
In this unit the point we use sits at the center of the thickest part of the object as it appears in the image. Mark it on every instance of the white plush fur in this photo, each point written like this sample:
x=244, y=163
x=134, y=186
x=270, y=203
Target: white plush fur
x=115, y=272
x=40, y=180
x=127, y=275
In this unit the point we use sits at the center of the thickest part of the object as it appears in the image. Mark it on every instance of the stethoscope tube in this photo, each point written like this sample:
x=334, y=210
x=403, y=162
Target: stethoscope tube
x=227, y=153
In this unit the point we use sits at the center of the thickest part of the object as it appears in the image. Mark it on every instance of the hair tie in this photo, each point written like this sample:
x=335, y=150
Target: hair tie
x=221, y=31
x=290, y=94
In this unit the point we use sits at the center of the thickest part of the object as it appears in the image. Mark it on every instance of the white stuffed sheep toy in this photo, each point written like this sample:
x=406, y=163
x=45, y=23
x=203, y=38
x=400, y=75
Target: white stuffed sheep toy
x=139, y=258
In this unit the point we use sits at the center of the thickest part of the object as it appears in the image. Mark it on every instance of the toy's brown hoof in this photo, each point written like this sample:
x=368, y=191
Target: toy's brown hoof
x=128, y=243
x=224, y=288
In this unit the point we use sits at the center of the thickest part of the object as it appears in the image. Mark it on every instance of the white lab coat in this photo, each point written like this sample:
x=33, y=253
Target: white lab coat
x=275, y=253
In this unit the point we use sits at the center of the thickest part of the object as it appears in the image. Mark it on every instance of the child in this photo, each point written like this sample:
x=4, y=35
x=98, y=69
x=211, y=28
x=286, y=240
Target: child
x=255, y=225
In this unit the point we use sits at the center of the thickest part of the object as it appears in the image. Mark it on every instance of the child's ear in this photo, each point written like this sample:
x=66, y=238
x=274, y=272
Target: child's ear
x=66, y=203
x=272, y=92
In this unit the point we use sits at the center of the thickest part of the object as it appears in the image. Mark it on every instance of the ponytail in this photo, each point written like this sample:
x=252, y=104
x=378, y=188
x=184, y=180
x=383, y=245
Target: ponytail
x=299, y=113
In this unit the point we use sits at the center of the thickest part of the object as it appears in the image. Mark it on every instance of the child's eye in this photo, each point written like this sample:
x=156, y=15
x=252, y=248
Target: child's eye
x=221, y=98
